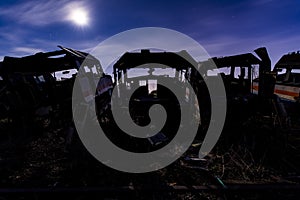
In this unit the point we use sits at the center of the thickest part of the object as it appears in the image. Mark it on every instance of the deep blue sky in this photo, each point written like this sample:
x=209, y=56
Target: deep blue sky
x=221, y=27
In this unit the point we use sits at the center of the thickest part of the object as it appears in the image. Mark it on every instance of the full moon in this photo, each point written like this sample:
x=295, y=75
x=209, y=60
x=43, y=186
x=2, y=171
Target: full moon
x=79, y=16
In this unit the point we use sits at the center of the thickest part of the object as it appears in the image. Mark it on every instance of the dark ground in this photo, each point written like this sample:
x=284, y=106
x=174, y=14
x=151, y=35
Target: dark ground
x=45, y=167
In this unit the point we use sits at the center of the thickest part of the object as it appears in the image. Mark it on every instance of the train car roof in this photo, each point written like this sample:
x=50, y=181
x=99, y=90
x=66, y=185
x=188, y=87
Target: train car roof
x=59, y=60
x=291, y=60
x=179, y=60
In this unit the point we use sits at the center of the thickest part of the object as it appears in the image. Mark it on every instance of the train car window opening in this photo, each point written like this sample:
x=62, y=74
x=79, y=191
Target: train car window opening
x=152, y=86
x=142, y=83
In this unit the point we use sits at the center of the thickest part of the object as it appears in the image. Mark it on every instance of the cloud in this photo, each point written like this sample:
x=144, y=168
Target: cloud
x=39, y=45
x=41, y=13
x=82, y=45
x=20, y=51
x=9, y=37
x=26, y=50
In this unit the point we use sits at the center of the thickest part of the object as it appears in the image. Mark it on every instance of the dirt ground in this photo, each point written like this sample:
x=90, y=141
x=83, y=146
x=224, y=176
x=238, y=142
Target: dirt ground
x=44, y=160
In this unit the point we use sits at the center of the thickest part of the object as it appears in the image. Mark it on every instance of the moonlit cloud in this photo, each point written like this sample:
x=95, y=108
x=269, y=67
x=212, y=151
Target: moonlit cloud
x=41, y=12
x=26, y=50
x=222, y=27
x=19, y=52
x=38, y=45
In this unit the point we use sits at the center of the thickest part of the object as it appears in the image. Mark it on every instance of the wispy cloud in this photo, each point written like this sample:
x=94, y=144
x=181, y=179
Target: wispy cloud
x=12, y=34
x=39, y=45
x=19, y=52
x=40, y=12
x=9, y=37
x=26, y=50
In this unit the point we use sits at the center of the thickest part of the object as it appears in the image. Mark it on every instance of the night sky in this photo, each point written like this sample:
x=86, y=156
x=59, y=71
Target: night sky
x=221, y=27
